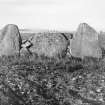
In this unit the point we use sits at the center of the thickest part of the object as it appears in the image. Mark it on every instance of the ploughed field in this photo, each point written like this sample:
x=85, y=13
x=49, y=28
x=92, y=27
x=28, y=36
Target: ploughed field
x=42, y=81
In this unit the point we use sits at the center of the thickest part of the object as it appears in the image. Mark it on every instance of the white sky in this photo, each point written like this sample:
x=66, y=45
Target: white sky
x=53, y=14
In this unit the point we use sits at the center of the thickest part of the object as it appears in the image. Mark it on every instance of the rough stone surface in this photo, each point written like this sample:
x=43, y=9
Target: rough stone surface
x=10, y=40
x=86, y=42
x=101, y=39
x=49, y=44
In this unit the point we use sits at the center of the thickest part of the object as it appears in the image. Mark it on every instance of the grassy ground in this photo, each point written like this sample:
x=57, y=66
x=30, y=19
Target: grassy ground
x=33, y=80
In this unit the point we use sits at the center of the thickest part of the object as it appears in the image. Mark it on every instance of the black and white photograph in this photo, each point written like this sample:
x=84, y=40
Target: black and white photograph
x=52, y=52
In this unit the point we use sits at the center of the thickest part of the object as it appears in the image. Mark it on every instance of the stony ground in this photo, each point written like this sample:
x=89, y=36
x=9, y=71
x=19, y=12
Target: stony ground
x=72, y=82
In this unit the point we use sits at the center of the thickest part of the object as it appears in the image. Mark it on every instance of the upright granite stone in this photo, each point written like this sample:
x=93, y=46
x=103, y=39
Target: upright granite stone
x=10, y=40
x=85, y=42
x=49, y=44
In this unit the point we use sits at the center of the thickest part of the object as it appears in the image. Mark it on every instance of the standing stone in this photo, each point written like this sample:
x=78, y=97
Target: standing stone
x=10, y=40
x=49, y=44
x=85, y=42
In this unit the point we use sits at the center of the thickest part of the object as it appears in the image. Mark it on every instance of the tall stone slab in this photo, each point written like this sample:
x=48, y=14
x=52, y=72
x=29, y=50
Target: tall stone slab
x=49, y=44
x=10, y=40
x=85, y=42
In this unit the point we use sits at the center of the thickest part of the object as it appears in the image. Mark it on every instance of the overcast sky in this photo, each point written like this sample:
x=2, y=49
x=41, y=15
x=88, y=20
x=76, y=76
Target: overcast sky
x=53, y=14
